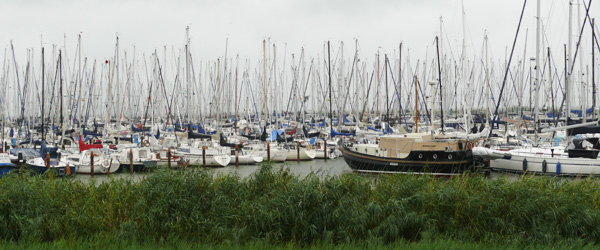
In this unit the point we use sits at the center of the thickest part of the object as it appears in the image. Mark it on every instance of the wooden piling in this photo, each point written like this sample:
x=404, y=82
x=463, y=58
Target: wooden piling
x=92, y=163
x=203, y=156
x=325, y=149
x=131, y=161
x=237, y=159
x=298, y=150
x=47, y=162
x=268, y=151
x=169, y=157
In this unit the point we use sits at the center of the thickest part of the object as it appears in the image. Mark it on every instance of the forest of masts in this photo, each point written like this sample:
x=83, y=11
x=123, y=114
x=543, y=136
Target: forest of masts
x=172, y=85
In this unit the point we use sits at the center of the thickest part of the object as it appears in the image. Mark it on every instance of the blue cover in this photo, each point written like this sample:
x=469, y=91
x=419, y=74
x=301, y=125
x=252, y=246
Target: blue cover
x=86, y=133
x=334, y=133
x=273, y=136
x=372, y=128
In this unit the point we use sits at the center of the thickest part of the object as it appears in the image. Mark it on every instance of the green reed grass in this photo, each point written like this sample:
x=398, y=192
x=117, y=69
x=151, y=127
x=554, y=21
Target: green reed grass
x=107, y=243
x=276, y=207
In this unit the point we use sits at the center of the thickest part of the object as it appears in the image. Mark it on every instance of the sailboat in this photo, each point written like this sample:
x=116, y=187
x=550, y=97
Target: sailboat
x=413, y=153
x=579, y=158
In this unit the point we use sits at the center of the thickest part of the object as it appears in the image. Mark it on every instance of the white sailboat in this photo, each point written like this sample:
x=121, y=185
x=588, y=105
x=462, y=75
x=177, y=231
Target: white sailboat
x=212, y=156
x=83, y=162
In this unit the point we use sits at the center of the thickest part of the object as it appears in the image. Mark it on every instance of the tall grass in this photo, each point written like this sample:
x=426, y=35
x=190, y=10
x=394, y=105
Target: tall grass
x=279, y=208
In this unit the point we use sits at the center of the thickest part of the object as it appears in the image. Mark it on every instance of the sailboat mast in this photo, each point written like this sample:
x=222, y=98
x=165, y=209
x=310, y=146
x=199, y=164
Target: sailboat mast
x=416, y=130
x=237, y=65
x=387, y=100
x=62, y=127
x=583, y=96
x=537, y=73
x=265, y=82
x=487, y=84
x=43, y=95
x=593, y=71
x=569, y=63
x=330, y=101
x=550, y=82
x=80, y=75
x=401, y=117
x=187, y=70
x=467, y=85
x=439, y=82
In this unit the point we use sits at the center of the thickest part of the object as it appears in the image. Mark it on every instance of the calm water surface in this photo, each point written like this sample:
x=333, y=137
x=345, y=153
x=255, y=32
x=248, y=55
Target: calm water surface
x=301, y=169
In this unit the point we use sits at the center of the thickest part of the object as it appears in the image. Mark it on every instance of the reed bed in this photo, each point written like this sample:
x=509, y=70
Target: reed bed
x=277, y=207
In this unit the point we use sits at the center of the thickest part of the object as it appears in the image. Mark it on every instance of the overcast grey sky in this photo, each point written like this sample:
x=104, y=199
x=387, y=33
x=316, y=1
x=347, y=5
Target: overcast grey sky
x=152, y=24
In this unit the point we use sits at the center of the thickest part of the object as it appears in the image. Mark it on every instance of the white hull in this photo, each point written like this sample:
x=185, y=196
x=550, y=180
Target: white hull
x=249, y=159
x=276, y=154
x=82, y=162
x=320, y=154
x=163, y=161
x=305, y=155
x=221, y=160
x=539, y=162
x=98, y=169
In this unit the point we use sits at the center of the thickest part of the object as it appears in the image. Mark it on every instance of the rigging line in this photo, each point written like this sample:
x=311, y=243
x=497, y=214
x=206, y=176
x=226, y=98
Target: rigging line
x=587, y=17
x=17, y=76
x=587, y=9
x=91, y=87
x=306, y=86
x=364, y=104
x=149, y=100
x=252, y=95
x=507, y=69
x=397, y=94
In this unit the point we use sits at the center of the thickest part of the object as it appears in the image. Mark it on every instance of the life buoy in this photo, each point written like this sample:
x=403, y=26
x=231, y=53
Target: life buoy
x=469, y=145
x=146, y=143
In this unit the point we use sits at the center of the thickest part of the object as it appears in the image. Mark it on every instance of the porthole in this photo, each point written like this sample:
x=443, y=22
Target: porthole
x=420, y=156
x=449, y=157
x=434, y=156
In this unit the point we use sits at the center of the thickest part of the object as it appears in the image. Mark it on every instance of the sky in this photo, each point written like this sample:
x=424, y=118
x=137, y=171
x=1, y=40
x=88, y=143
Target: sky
x=379, y=25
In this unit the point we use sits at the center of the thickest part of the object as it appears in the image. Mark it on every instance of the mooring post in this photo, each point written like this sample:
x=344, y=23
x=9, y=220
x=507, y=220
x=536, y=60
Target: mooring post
x=131, y=161
x=325, y=148
x=237, y=159
x=169, y=157
x=203, y=156
x=268, y=151
x=47, y=162
x=92, y=163
x=298, y=150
